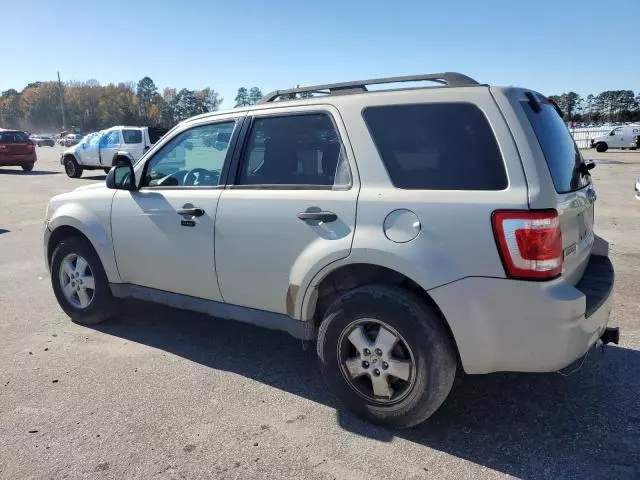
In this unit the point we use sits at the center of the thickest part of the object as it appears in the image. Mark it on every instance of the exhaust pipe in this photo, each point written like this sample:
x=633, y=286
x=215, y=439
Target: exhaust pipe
x=610, y=335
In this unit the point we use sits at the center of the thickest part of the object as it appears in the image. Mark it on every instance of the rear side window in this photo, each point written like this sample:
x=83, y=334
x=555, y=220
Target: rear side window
x=437, y=146
x=13, y=137
x=132, y=136
x=560, y=151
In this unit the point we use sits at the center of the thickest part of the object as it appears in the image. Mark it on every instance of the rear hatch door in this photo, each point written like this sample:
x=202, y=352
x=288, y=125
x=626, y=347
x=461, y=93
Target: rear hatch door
x=570, y=190
x=15, y=144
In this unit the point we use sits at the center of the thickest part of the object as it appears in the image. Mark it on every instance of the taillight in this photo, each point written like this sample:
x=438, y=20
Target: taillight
x=529, y=242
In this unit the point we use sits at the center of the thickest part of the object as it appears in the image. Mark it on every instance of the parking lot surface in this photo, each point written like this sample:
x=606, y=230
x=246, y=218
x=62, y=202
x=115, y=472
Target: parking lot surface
x=167, y=394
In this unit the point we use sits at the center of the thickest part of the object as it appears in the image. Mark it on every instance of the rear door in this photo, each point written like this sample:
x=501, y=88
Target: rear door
x=560, y=180
x=291, y=209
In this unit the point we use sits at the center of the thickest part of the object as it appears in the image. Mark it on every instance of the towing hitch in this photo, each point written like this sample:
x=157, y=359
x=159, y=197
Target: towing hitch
x=610, y=335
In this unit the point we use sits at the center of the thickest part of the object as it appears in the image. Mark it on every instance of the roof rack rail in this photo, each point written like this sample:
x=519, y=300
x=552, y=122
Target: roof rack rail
x=450, y=79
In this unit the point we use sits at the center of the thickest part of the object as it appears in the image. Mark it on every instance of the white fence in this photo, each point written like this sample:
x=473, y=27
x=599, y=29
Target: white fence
x=583, y=136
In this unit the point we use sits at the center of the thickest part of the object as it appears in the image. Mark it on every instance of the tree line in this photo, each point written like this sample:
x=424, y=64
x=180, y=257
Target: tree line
x=90, y=106
x=607, y=106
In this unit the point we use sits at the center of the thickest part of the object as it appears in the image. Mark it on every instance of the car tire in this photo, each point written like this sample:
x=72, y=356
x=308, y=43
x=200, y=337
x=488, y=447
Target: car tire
x=100, y=305
x=27, y=168
x=421, y=338
x=601, y=147
x=106, y=170
x=71, y=167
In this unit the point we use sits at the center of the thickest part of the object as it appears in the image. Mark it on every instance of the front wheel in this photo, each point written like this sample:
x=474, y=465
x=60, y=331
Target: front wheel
x=601, y=147
x=386, y=355
x=72, y=168
x=79, y=282
x=27, y=168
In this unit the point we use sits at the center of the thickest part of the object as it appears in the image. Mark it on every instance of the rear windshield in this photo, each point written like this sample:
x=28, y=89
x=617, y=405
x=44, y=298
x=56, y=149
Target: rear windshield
x=132, y=136
x=13, y=137
x=437, y=146
x=560, y=151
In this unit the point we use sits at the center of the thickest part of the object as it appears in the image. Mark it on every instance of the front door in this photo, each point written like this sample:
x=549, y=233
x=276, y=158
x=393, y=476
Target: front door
x=109, y=146
x=291, y=211
x=163, y=233
x=615, y=138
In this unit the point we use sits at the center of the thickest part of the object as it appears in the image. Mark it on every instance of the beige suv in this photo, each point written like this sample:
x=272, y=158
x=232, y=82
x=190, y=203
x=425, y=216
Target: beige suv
x=413, y=232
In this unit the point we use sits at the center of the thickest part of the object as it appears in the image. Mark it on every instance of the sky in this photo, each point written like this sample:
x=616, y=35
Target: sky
x=549, y=46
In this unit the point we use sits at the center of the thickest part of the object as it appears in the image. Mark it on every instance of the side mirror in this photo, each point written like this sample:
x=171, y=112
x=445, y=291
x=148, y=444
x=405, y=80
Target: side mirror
x=121, y=177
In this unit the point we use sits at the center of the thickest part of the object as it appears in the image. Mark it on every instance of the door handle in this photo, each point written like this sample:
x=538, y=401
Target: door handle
x=193, y=211
x=318, y=216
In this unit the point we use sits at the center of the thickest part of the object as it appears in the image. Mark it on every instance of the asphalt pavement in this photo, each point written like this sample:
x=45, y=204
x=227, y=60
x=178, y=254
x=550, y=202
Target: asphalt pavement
x=167, y=394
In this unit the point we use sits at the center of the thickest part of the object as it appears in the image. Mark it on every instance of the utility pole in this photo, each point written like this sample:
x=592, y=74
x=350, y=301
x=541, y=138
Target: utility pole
x=64, y=114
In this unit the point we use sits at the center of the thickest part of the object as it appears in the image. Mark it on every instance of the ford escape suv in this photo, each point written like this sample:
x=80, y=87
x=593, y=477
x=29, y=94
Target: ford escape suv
x=412, y=232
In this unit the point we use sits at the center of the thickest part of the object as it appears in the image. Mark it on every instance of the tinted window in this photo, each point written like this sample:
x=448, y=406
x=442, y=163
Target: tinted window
x=188, y=159
x=132, y=136
x=437, y=146
x=294, y=150
x=13, y=137
x=560, y=151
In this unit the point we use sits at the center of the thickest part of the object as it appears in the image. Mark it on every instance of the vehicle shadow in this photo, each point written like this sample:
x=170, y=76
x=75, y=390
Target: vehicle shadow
x=27, y=174
x=526, y=425
x=4, y=230
x=94, y=177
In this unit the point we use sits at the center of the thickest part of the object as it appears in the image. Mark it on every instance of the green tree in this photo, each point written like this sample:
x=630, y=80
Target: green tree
x=10, y=108
x=254, y=95
x=186, y=105
x=208, y=100
x=145, y=90
x=242, y=98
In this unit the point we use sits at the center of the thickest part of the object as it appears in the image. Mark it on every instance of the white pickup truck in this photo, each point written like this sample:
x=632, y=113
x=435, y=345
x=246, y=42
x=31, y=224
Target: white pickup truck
x=97, y=151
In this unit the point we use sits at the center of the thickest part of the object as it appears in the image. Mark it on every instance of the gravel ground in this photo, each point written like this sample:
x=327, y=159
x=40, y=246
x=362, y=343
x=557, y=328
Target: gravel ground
x=167, y=394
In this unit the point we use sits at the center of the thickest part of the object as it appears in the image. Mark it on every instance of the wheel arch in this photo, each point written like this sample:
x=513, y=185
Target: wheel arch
x=332, y=282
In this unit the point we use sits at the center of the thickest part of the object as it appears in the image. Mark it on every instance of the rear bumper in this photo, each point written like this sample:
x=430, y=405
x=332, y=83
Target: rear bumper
x=510, y=325
x=17, y=160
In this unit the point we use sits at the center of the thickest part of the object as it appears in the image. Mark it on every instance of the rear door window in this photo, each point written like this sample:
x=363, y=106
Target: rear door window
x=437, y=146
x=560, y=151
x=132, y=136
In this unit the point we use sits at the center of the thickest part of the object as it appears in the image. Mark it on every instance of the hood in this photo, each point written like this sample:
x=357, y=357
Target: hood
x=71, y=150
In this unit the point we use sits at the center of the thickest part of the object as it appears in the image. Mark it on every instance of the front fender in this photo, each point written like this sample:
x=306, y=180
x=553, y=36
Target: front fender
x=92, y=226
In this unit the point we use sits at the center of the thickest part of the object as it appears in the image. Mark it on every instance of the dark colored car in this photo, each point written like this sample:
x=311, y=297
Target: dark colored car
x=16, y=150
x=44, y=141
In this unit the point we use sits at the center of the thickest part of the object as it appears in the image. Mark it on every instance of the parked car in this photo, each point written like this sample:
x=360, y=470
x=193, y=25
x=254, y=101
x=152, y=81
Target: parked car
x=71, y=139
x=472, y=248
x=43, y=140
x=620, y=137
x=16, y=149
x=97, y=151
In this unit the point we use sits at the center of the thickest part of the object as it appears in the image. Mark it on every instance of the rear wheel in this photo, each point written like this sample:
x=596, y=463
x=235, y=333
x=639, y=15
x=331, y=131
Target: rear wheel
x=601, y=147
x=386, y=355
x=71, y=167
x=27, y=168
x=79, y=282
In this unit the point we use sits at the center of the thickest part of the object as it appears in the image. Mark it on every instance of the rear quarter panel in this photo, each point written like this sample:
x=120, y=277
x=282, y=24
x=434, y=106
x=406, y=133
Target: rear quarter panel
x=456, y=237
